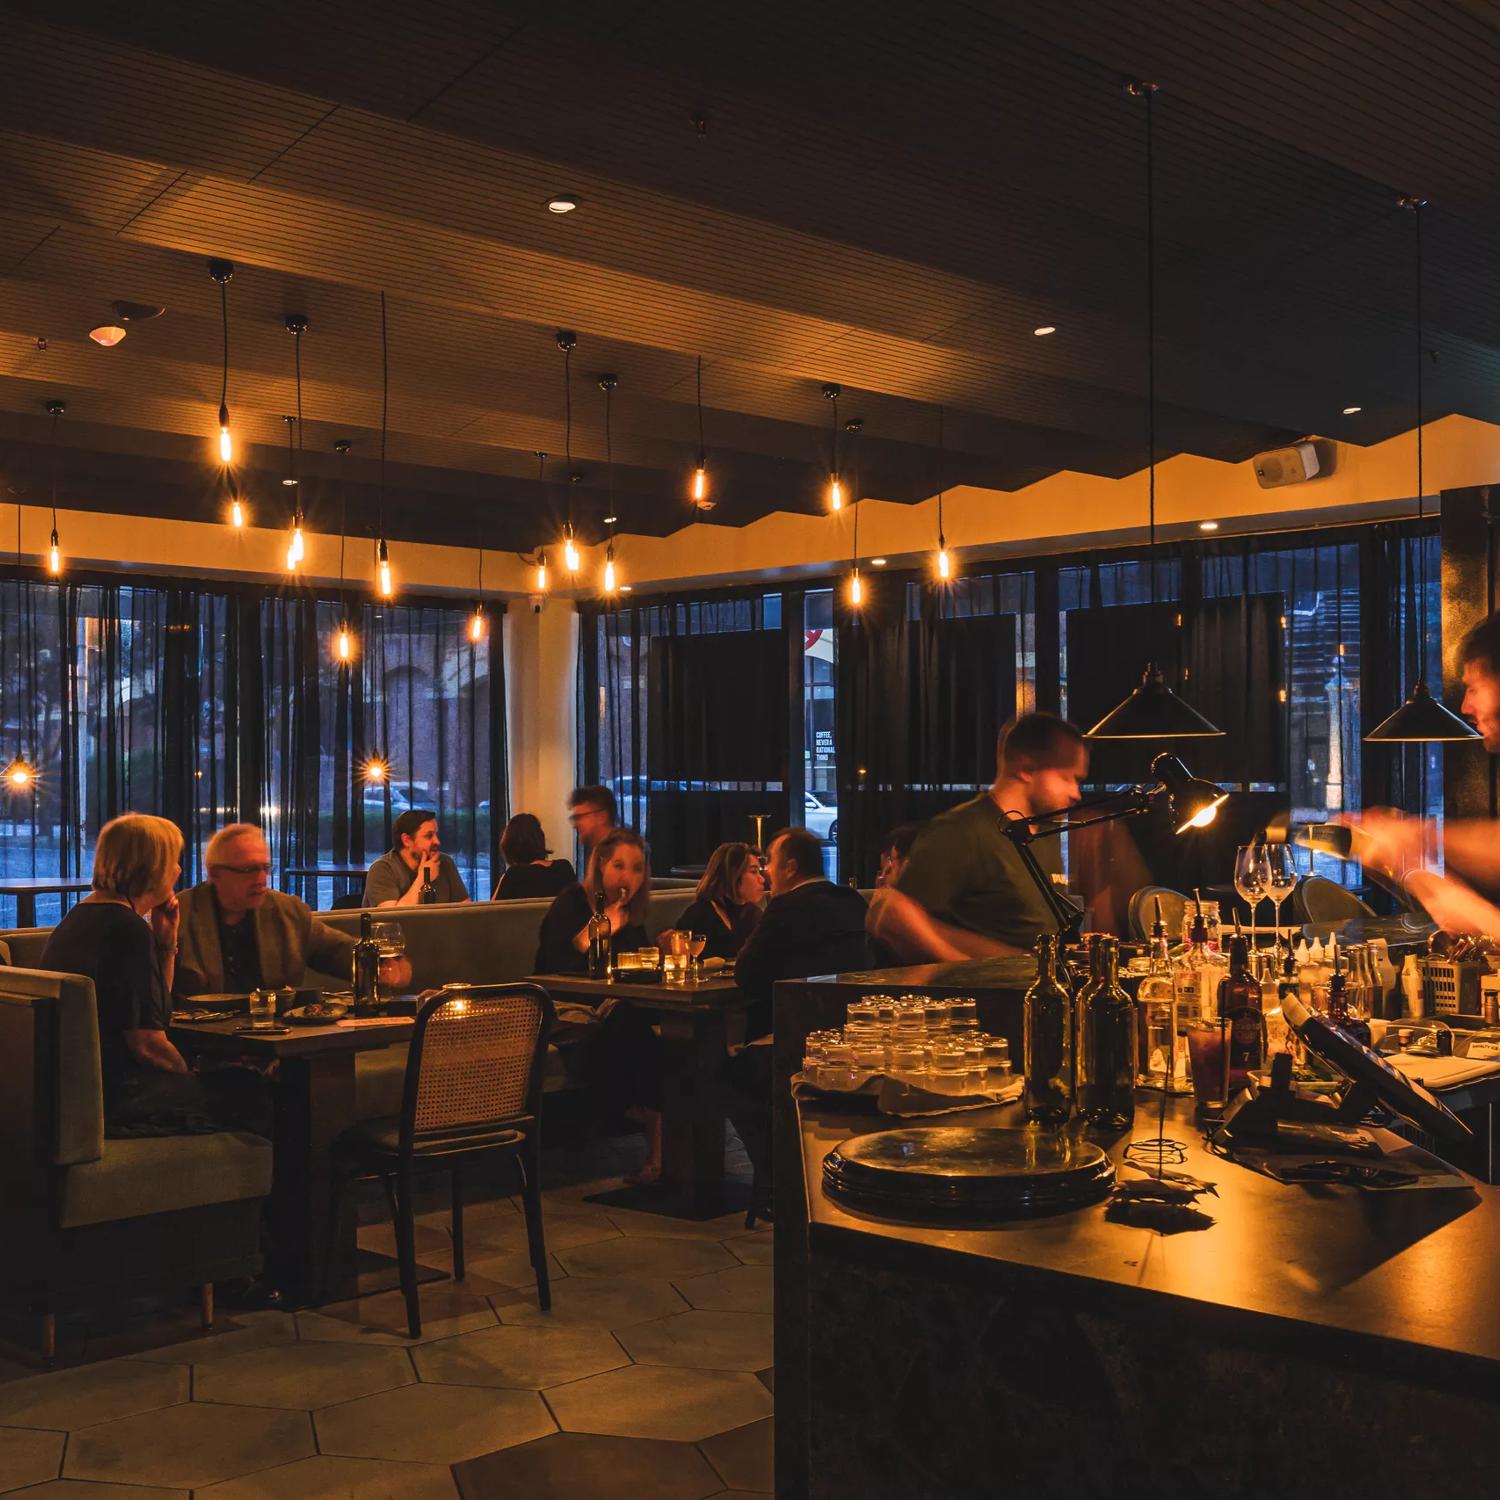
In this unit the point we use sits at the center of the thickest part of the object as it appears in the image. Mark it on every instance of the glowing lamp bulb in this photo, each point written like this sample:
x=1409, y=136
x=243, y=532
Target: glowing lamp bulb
x=541, y=574
x=1204, y=818
x=226, y=446
x=344, y=644
x=944, y=563
x=18, y=775
x=856, y=589
x=700, y=482
x=835, y=493
x=54, y=555
x=375, y=771
x=570, y=555
x=236, y=514
x=387, y=587
x=476, y=625
x=383, y=583
x=611, y=583
x=298, y=549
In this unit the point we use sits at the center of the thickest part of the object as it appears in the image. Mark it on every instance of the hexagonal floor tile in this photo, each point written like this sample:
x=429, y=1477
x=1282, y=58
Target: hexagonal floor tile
x=89, y=1489
x=743, y=1289
x=668, y=1227
x=529, y=1358
x=703, y=1341
x=437, y=1424
x=257, y=1331
x=755, y=1249
x=189, y=1445
x=602, y=1468
x=347, y=1478
x=489, y=1272
x=638, y=1255
x=28, y=1457
x=77, y=1398
x=303, y=1377
x=746, y=1457
x=676, y=1405
x=563, y=1226
x=446, y=1309
x=598, y=1302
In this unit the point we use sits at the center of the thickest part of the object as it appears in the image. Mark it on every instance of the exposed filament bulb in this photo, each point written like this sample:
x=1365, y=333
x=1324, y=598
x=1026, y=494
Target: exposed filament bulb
x=856, y=589
x=835, y=492
x=54, y=555
x=236, y=514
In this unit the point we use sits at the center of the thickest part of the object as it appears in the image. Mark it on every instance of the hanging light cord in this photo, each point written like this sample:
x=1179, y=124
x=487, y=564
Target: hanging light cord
x=609, y=455
x=224, y=323
x=940, y=476
x=834, y=466
x=568, y=429
x=385, y=400
x=701, y=450
x=55, y=416
x=1417, y=205
x=297, y=472
x=1150, y=92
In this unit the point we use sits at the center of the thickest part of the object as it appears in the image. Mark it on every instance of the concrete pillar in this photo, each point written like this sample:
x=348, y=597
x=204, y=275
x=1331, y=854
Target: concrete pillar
x=541, y=680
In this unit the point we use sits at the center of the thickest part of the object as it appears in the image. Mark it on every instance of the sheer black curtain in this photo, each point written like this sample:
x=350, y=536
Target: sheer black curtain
x=685, y=713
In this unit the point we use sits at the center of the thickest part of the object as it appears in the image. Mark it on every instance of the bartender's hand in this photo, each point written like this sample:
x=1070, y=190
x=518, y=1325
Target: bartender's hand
x=164, y=923
x=1386, y=839
x=1453, y=905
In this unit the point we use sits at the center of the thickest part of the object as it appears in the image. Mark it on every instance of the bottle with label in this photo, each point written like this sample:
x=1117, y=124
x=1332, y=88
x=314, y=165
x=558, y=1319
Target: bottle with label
x=1048, y=1030
x=1244, y=1021
x=1339, y=1012
x=599, y=940
x=1192, y=969
x=1107, y=1045
x=1163, y=1051
x=427, y=895
x=365, y=969
x=1288, y=987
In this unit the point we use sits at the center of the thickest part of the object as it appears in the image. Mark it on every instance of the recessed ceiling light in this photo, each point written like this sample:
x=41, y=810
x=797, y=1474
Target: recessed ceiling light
x=1208, y=525
x=1044, y=330
x=877, y=562
x=562, y=203
x=1350, y=410
x=108, y=335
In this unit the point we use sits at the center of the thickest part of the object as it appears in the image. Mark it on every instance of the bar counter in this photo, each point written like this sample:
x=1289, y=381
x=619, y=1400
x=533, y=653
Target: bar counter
x=1313, y=1340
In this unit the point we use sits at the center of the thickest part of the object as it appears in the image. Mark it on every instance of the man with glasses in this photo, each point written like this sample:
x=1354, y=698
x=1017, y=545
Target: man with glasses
x=592, y=812
x=237, y=935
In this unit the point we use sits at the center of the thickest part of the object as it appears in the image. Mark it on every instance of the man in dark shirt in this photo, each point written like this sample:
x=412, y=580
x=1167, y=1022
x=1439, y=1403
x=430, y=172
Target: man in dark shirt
x=416, y=857
x=965, y=892
x=810, y=926
x=592, y=812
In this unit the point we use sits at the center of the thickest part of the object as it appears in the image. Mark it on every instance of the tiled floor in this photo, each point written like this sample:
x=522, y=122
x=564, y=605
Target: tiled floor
x=650, y=1377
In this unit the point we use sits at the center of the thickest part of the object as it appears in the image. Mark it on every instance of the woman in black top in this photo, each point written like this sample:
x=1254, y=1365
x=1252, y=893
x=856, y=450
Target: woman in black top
x=727, y=906
x=621, y=1048
x=530, y=869
x=123, y=936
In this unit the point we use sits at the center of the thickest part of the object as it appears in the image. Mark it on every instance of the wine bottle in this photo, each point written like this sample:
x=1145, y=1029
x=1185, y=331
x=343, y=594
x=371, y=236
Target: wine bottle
x=1239, y=1005
x=1106, y=1045
x=365, y=970
x=599, y=940
x=427, y=895
x=1048, y=1041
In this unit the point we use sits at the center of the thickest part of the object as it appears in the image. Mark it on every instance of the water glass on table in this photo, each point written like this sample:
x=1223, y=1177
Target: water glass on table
x=262, y=1006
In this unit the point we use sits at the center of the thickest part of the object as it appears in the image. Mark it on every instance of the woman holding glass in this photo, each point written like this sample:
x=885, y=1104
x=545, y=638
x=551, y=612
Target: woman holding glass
x=727, y=905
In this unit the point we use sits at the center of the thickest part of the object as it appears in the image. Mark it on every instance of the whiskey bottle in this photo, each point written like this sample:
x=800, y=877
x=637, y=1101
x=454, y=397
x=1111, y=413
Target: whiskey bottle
x=1245, y=1022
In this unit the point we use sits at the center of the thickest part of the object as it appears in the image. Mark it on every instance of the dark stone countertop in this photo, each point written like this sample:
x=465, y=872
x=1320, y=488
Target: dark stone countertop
x=1407, y=1269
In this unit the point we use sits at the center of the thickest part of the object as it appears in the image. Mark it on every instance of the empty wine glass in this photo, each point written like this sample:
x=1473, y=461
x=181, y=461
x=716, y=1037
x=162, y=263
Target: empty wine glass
x=1281, y=878
x=1250, y=876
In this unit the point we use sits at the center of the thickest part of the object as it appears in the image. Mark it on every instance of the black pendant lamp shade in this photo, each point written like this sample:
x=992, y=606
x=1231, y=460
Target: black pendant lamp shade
x=1153, y=712
x=1422, y=719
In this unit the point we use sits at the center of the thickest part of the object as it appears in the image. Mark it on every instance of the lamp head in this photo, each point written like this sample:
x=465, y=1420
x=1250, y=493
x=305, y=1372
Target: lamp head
x=1195, y=803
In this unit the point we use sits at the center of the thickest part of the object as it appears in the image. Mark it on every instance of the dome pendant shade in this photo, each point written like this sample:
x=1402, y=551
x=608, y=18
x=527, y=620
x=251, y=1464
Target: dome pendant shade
x=1152, y=712
x=1421, y=720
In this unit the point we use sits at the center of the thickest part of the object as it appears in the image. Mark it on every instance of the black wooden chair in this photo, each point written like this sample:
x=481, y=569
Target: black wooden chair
x=1318, y=899
x=1142, y=911
x=473, y=1088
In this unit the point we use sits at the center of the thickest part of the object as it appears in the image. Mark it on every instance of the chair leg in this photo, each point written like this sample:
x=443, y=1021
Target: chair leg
x=458, y=1224
x=206, y=1304
x=389, y=1184
x=406, y=1250
x=49, y=1336
x=529, y=1169
x=335, y=1207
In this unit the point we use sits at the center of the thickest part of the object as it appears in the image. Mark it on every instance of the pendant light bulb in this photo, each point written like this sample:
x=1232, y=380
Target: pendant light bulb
x=298, y=548
x=700, y=483
x=570, y=552
x=343, y=642
x=226, y=442
x=19, y=775
x=541, y=573
x=476, y=625
x=944, y=564
x=611, y=582
x=856, y=589
x=54, y=555
x=835, y=492
x=383, y=570
x=236, y=514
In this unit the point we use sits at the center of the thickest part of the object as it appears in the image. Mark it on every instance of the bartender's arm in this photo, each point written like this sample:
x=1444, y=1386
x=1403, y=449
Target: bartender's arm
x=1453, y=905
x=1394, y=842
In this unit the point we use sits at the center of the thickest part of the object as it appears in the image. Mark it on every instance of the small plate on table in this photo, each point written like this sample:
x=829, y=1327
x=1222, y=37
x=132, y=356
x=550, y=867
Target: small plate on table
x=317, y=1013
x=216, y=1007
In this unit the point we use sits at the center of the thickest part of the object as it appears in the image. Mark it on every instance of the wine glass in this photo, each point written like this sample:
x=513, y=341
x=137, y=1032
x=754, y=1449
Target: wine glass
x=390, y=940
x=1250, y=876
x=697, y=942
x=1281, y=877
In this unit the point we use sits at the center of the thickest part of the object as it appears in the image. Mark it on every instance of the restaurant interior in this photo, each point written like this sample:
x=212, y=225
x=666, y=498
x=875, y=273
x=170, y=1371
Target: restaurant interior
x=748, y=749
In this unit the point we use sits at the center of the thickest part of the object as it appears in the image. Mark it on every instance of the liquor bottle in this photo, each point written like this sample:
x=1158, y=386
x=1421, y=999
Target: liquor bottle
x=599, y=940
x=365, y=970
x=1189, y=977
x=1338, y=1008
x=428, y=893
x=1106, y=1045
x=1245, y=1022
x=1048, y=1032
x=1163, y=1051
x=1288, y=987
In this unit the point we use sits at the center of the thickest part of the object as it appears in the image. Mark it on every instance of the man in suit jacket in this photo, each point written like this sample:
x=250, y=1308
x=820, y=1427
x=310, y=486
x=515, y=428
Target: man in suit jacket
x=810, y=926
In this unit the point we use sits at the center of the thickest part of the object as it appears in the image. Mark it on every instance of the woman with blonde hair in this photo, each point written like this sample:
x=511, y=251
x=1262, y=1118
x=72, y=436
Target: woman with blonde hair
x=123, y=936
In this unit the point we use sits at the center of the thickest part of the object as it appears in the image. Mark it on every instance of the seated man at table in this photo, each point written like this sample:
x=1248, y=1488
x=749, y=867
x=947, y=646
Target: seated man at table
x=965, y=892
x=416, y=870
x=238, y=935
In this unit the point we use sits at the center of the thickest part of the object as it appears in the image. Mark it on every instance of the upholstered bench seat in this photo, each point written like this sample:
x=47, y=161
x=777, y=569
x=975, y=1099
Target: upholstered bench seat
x=161, y=1174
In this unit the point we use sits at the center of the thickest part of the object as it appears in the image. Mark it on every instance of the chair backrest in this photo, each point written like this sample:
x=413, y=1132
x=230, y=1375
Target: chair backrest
x=1319, y=899
x=74, y=1094
x=1142, y=911
x=476, y=1060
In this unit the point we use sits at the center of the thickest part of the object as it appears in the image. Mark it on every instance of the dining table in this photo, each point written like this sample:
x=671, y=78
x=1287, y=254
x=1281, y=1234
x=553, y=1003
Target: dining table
x=26, y=888
x=314, y=1248
x=696, y=1024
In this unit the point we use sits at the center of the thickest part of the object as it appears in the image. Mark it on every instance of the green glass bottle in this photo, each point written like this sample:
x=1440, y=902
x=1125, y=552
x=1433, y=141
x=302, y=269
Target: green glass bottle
x=1106, y=1045
x=1048, y=1031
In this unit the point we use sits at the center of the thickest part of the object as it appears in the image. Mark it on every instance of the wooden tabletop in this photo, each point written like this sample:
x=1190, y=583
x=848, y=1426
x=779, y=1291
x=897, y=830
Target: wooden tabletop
x=710, y=990
x=299, y=1041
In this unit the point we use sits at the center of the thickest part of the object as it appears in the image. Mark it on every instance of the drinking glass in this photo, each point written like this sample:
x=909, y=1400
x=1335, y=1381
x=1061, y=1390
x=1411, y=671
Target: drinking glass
x=1281, y=878
x=390, y=940
x=262, y=1009
x=963, y=1013
x=697, y=942
x=1250, y=876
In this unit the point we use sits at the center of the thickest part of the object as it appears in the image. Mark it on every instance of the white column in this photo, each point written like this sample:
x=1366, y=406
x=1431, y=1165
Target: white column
x=541, y=681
